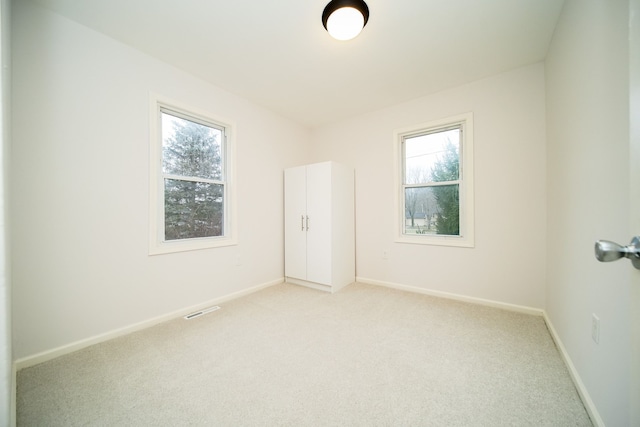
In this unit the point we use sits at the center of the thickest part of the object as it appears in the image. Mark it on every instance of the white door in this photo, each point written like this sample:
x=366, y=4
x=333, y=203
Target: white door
x=634, y=164
x=319, y=232
x=295, y=212
x=634, y=206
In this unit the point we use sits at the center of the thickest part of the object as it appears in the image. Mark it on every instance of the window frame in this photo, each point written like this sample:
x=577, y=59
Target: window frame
x=157, y=243
x=465, y=179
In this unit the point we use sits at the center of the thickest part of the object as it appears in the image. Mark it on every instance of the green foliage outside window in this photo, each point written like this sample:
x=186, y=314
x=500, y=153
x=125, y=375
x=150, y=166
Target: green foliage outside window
x=447, y=168
x=191, y=158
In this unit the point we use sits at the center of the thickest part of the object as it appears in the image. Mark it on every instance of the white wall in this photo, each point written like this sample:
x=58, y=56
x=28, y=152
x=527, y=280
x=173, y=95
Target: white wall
x=6, y=359
x=80, y=186
x=508, y=261
x=588, y=196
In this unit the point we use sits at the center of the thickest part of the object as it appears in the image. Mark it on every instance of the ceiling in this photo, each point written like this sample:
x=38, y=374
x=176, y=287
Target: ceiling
x=278, y=55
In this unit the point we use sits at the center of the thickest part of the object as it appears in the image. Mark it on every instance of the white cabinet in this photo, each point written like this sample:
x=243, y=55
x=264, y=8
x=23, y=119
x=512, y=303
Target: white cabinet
x=319, y=226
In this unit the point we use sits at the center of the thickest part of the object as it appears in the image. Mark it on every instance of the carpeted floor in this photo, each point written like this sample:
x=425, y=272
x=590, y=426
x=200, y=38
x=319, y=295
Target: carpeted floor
x=292, y=356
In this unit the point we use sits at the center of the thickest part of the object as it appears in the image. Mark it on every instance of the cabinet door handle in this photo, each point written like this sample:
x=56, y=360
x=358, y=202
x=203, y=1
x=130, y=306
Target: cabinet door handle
x=307, y=223
x=302, y=222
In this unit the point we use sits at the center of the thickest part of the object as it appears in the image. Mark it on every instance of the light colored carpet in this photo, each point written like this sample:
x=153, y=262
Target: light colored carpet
x=292, y=356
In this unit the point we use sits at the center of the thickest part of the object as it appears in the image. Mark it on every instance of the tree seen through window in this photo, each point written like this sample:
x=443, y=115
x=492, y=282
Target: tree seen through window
x=432, y=183
x=193, y=175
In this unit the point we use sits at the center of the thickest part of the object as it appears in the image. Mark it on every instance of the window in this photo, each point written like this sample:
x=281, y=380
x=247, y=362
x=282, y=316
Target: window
x=435, y=182
x=190, y=178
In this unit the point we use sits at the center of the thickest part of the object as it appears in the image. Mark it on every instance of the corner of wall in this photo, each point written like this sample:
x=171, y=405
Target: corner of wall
x=575, y=376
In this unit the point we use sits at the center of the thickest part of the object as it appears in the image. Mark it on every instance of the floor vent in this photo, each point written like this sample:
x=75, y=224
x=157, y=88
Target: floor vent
x=201, y=312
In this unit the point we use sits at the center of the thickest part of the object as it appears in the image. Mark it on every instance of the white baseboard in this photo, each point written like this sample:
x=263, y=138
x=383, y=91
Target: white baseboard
x=596, y=419
x=44, y=356
x=318, y=286
x=457, y=297
x=312, y=285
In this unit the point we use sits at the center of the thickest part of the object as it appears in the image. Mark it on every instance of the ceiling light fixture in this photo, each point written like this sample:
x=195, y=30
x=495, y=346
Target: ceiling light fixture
x=344, y=19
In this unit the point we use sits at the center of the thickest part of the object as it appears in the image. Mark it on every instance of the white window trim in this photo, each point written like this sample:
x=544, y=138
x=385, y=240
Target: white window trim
x=157, y=244
x=467, y=236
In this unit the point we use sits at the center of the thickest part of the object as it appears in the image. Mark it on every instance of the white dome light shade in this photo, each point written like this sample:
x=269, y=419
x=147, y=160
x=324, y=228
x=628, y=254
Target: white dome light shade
x=345, y=19
x=345, y=23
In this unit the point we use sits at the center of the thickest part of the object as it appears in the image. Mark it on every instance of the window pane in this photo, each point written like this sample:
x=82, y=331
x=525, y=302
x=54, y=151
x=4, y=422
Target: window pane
x=432, y=210
x=434, y=157
x=192, y=209
x=190, y=149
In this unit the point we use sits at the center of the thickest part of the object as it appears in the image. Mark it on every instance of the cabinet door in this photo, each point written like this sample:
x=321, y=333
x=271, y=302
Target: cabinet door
x=295, y=212
x=319, y=232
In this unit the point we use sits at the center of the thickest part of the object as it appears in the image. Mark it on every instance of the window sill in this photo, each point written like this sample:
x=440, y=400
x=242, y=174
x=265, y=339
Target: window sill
x=460, y=242
x=159, y=248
